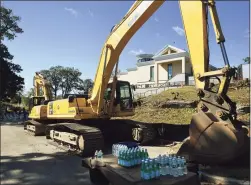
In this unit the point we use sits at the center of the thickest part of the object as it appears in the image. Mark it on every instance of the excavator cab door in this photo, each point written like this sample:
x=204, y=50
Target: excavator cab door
x=124, y=96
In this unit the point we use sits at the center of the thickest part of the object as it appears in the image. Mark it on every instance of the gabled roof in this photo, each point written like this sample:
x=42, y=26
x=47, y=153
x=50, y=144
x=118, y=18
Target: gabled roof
x=165, y=49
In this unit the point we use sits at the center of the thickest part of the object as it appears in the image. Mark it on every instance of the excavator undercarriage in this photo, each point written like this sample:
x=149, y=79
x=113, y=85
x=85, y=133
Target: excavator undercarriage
x=88, y=136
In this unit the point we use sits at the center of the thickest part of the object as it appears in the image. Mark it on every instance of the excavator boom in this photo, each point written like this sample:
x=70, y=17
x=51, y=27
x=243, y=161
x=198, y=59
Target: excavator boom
x=139, y=13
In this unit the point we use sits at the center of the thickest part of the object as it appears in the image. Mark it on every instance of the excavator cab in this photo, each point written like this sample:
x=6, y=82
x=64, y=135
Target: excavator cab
x=122, y=97
x=36, y=100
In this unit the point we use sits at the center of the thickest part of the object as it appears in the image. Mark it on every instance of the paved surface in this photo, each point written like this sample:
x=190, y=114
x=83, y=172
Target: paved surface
x=25, y=160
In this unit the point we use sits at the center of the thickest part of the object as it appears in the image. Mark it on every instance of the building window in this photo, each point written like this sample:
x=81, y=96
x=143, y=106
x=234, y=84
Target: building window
x=169, y=71
x=144, y=59
x=152, y=73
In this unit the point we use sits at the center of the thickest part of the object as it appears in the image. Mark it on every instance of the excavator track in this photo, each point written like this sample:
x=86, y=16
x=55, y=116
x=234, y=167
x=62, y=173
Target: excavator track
x=34, y=128
x=85, y=140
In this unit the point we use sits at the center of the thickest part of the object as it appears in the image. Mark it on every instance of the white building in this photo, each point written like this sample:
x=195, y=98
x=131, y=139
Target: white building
x=244, y=71
x=169, y=67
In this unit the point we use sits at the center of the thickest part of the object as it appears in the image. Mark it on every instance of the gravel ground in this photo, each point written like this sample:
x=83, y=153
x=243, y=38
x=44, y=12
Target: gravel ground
x=25, y=160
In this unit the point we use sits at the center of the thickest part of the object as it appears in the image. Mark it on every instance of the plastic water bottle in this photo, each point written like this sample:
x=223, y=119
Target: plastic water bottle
x=96, y=154
x=157, y=172
x=159, y=158
x=146, y=154
x=170, y=166
x=134, y=157
x=175, y=168
x=152, y=172
x=167, y=166
x=147, y=171
x=119, y=159
x=142, y=170
x=101, y=155
x=180, y=167
x=138, y=156
x=115, y=149
x=162, y=166
x=126, y=159
x=184, y=166
x=129, y=158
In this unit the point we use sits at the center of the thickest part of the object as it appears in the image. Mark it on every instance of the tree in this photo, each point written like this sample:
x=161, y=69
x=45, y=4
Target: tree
x=86, y=85
x=62, y=78
x=12, y=83
x=53, y=75
x=26, y=97
x=246, y=60
x=70, y=80
x=9, y=27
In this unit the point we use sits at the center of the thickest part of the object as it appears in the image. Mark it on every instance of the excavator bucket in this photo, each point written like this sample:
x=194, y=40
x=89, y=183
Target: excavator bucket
x=213, y=141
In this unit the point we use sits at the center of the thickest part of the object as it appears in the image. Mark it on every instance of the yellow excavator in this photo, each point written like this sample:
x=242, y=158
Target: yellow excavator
x=38, y=104
x=215, y=134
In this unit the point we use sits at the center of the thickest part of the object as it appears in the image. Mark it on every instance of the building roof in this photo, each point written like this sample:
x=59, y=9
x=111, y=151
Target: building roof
x=145, y=55
x=166, y=48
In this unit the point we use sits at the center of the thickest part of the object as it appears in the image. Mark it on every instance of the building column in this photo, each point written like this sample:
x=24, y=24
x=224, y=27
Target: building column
x=183, y=63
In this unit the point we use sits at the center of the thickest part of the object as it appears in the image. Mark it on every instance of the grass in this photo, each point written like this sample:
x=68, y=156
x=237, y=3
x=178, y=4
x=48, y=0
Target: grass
x=148, y=112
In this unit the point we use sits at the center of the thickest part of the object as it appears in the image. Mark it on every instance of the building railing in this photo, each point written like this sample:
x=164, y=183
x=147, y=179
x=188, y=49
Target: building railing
x=161, y=87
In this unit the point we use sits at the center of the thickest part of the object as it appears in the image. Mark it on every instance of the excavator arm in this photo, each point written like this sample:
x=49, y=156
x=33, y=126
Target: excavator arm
x=139, y=13
x=41, y=82
x=215, y=134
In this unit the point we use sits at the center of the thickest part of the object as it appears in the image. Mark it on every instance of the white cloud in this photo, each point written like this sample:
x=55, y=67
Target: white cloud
x=247, y=33
x=156, y=19
x=179, y=30
x=157, y=34
x=90, y=13
x=136, y=52
x=72, y=11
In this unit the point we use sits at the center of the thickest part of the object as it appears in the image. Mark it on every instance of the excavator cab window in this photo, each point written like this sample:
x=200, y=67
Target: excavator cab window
x=124, y=95
x=107, y=94
x=34, y=101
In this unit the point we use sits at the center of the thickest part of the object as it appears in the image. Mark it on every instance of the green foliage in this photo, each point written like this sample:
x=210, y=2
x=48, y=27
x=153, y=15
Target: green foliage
x=53, y=75
x=70, y=80
x=16, y=99
x=85, y=85
x=246, y=60
x=62, y=78
x=12, y=83
x=9, y=27
x=26, y=97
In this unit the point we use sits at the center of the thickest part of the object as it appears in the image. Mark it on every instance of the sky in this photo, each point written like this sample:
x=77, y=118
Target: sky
x=72, y=34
